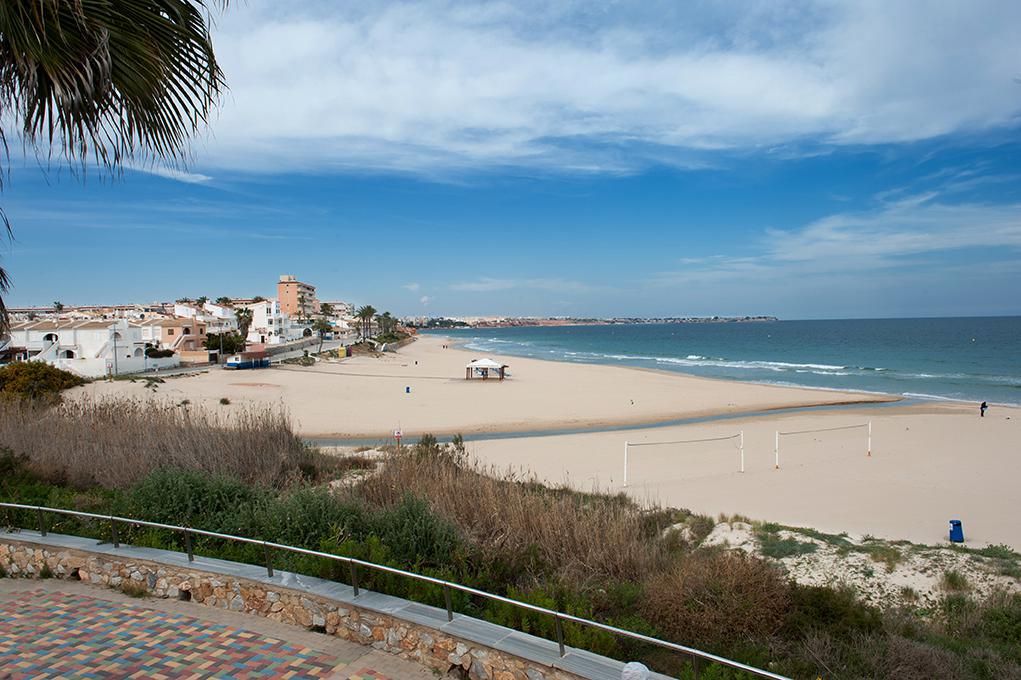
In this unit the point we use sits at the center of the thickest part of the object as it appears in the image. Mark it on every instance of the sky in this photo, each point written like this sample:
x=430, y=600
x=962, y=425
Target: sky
x=805, y=160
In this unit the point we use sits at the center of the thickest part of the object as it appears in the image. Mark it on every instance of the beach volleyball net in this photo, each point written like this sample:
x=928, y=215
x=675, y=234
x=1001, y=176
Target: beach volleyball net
x=828, y=435
x=650, y=462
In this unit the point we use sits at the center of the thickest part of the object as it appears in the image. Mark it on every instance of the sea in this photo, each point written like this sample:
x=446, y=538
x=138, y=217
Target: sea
x=960, y=359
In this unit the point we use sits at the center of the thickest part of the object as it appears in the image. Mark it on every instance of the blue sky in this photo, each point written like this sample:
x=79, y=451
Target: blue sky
x=804, y=160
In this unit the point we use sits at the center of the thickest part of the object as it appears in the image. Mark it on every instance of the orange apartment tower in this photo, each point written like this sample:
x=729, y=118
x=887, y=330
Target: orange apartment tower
x=297, y=299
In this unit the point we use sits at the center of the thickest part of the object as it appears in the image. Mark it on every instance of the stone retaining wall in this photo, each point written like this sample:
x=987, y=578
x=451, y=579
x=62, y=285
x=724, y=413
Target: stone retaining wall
x=432, y=648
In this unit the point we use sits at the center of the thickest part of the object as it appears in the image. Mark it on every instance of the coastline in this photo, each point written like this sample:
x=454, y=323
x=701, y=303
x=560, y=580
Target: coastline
x=368, y=397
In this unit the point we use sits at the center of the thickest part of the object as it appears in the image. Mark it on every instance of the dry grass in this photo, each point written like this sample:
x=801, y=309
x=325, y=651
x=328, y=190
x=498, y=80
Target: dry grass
x=579, y=538
x=116, y=442
x=716, y=595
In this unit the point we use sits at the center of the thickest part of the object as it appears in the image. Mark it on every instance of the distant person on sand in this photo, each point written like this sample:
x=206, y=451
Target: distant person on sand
x=982, y=409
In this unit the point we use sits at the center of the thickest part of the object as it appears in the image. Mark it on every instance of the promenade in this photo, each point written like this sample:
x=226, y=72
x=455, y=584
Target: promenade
x=63, y=629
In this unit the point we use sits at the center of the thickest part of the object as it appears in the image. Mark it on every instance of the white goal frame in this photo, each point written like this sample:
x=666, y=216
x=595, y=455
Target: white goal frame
x=866, y=425
x=628, y=445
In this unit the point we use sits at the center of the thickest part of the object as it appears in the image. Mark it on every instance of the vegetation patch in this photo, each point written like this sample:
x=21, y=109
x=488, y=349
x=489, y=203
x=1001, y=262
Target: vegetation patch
x=429, y=509
x=36, y=381
x=772, y=544
x=954, y=581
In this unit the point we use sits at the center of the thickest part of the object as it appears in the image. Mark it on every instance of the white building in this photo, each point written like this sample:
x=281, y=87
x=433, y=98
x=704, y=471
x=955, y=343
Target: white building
x=89, y=348
x=270, y=326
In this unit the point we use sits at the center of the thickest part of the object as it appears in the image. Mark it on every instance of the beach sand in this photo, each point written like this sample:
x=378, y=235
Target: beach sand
x=930, y=463
x=365, y=397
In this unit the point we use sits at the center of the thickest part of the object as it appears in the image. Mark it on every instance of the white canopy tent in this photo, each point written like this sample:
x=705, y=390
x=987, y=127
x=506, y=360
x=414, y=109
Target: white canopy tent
x=483, y=368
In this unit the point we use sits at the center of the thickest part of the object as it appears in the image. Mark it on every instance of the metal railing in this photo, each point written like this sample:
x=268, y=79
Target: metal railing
x=697, y=656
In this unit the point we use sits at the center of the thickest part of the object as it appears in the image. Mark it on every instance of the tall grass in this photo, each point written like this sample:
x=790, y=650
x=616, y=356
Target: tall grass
x=113, y=443
x=520, y=526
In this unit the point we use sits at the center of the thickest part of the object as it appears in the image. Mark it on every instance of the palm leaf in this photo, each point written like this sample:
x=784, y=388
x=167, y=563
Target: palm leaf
x=105, y=81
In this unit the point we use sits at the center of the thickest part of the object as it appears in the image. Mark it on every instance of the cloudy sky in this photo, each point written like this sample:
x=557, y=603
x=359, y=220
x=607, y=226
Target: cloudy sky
x=807, y=160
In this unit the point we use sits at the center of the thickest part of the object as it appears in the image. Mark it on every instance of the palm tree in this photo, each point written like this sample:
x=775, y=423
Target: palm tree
x=104, y=82
x=244, y=317
x=321, y=326
x=366, y=314
x=58, y=306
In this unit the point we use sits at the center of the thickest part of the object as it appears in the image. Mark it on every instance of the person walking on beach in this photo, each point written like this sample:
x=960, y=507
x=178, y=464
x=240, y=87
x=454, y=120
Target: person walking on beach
x=982, y=409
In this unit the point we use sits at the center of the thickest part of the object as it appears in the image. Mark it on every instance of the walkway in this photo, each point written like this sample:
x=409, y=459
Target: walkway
x=64, y=629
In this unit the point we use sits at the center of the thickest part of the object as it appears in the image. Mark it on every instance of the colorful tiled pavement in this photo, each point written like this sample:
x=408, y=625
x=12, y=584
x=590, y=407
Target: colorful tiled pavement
x=63, y=635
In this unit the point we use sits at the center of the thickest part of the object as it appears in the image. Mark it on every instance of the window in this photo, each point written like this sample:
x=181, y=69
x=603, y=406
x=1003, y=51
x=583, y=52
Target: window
x=170, y=331
x=186, y=331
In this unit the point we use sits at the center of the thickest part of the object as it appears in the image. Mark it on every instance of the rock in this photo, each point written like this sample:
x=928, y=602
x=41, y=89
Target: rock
x=478, y=671
x=237, y=604
x=272, y=597
x=318, y=620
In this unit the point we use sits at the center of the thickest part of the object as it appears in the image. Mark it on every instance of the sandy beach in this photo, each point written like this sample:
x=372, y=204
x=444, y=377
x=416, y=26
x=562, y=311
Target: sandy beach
x=366, y=397
x=930, y=463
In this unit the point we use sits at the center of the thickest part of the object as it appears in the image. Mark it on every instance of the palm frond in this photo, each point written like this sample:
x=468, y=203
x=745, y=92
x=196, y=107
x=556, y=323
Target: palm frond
x=108, y=80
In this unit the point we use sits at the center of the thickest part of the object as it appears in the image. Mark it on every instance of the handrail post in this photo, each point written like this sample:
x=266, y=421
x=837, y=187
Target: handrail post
x=113, y=533
x=450, y=607
x=560, y=635
x=188, y=546
x=353, y=568
x=42, y=521
x=269, y=559
x=696, y=666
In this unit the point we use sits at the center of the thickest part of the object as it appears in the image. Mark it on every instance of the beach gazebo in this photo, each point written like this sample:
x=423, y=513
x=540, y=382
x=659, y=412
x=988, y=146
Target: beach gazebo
x=484, y=368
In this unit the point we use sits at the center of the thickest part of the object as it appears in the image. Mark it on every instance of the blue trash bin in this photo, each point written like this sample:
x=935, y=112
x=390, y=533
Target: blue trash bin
x=956, y=531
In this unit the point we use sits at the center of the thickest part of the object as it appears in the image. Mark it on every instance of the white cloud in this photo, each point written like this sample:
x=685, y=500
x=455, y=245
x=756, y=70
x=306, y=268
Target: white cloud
x=413, y=287
x=487, y=285
x=436, y=85
x=425, y=300
x=171, y=173
x=892, y=236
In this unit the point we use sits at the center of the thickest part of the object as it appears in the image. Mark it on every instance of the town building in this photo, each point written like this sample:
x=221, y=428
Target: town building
x=92, y=348
x=297, y=299
x=271, y=325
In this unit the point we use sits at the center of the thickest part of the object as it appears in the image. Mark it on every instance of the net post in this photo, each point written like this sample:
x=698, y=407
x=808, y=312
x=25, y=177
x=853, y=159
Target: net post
x=776, y=450
x=742, y=450
x=625, y=464
x=868, y=450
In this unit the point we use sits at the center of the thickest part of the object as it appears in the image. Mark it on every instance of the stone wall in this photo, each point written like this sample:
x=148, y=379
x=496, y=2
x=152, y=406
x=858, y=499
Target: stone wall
x=428, y=646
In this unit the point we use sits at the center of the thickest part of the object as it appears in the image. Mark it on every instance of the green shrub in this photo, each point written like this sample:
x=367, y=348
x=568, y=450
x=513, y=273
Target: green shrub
x=36, y=380
x=772, y=545
x=191, y=498
x=154, y=353
x=1001, y=619
x=954, y=581
x=834, y=611
x=415, y=534
x=45, y=571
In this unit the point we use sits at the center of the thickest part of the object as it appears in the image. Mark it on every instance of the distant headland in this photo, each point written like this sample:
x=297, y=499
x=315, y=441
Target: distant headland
x=508, y=321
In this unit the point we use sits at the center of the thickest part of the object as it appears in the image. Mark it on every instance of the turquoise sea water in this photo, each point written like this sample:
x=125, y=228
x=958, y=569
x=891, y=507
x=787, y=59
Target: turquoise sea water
x=970, y=359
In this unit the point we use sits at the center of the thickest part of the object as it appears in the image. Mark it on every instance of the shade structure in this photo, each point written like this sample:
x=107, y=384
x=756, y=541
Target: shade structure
x=483, y=368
